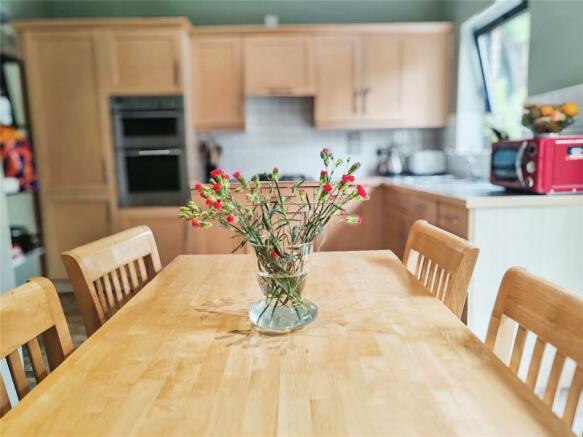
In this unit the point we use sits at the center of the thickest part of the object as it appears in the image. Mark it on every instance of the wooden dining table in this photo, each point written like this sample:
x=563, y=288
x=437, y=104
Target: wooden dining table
x=382, y=358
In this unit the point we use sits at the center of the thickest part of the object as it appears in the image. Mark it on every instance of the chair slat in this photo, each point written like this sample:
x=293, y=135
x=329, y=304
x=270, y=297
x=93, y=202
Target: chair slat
x=417, y=272
x=517, y=349
x=108, y=293
x=124, y=281
x=554, y=376
x=431, y=278
x=17, y=373
x=573, y=396
x=142, y=271
x=36, y=359
x=4, y=401
x=133, y=276
x=535, y=361
x=101, y=295
x=116, y=286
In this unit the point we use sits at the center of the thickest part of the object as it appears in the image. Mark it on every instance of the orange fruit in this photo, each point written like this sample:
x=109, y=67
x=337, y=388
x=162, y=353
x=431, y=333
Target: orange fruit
x=545, y=110
x=570, y=109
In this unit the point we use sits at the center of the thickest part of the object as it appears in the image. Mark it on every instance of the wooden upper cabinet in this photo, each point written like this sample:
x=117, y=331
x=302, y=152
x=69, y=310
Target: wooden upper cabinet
x=382, y=77
x=67, y=111
x=337, y=80
x=145, y=61
x=279, y=65
x=217, y=82
x=359, y=81
x=426, y=79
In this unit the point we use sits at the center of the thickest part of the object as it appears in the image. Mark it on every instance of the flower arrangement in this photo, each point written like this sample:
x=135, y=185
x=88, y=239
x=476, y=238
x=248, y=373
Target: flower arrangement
x=546, y=118
x=280, y=224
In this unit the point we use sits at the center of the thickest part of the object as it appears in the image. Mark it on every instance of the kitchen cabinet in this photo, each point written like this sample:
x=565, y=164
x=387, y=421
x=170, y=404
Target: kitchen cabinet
x=70, y=129
x=217, y=80
x=279, y=65
x=359, y=80
x=71, y=221
x=425, y=73
x=145, y=61
x=337, y=81
x=340, y=236
x=383, y=79
x=169, y=231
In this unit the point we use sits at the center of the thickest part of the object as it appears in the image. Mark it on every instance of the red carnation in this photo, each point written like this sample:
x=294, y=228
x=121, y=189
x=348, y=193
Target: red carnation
x=195, y=224
x=217, y=205
x=237, y=175
x=274, y=254
x=217, y=186
x=323, y=173
x=326, y=150
x=197, y=186
x=347, y=178
x=202, y=194
x=230, y=218
x=359, y=220
x=327, y=188
x=208, y=201
x=216, y=172
x=360, y=191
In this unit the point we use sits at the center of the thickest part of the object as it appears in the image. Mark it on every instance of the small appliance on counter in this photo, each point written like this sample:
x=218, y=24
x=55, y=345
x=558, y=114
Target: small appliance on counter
x=389, y=162
x=543, y=165
x=427, y=162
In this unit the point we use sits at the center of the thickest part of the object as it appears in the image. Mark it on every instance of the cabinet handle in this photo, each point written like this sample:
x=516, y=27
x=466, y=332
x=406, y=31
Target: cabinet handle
x=365, y=92
x=176, y=74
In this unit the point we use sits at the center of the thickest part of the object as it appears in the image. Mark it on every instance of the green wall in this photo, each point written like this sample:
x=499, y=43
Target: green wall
x=556, y=45
x=242, y=11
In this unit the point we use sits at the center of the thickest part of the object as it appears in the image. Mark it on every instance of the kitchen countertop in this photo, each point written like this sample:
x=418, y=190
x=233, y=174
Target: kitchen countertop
x=473, y=193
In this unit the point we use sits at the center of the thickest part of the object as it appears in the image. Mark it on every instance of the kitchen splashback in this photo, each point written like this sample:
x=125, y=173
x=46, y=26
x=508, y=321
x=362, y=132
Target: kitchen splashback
x=279, y=132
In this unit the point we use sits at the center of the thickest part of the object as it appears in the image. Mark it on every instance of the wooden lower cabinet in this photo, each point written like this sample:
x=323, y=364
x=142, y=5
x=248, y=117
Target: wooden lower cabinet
x=169, y=231
x=69, y=222
x=340, y=236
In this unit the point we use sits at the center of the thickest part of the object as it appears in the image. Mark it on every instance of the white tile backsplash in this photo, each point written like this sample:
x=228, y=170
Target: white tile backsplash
x=280, y=132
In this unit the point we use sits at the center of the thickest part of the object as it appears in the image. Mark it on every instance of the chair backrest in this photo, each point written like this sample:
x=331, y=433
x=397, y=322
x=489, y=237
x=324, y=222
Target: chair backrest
x=555, y=316
x=442, y=261
x=107, y=273
x=26, y=312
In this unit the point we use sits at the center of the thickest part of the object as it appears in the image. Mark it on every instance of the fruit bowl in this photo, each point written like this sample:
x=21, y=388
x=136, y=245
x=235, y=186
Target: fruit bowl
x=546, y=118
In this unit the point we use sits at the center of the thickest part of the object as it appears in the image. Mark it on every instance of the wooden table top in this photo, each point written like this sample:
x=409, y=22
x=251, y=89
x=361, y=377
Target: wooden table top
x=382, y=358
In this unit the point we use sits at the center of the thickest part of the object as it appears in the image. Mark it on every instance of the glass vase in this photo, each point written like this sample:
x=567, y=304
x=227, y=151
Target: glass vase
x=282, y=272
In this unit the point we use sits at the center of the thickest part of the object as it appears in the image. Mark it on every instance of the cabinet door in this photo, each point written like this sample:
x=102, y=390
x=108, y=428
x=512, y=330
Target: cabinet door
x=279, y=65
x=217, y=81
x=382, y=85
x=337, y=81
x=426, y=79
x=70, y=222
x=145, y=61
x=67, y=110
x=340, y=236
x=215, y=240
x=396, y=231
x=169, y=231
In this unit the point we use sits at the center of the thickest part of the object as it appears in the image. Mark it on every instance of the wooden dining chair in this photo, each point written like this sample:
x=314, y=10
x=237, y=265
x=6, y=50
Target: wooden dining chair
x=442, y=261
x=555, y=316
x=107, y=273
x=27, y=312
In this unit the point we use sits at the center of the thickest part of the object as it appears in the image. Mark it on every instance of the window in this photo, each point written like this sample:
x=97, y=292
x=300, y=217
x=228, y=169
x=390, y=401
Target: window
x=503, y=46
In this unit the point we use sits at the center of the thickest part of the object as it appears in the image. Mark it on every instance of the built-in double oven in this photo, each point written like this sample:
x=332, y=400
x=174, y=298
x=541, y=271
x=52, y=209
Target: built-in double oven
x=150, y=149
